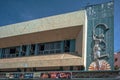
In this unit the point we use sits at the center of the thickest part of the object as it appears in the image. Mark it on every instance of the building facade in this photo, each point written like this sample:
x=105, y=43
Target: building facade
x=62, y=42
x=53, y=43
x=117, y=60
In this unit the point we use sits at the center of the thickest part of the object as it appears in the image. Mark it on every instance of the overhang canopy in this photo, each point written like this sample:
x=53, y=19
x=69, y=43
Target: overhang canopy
x=54, y=60
x=54, y=28
x=49, y=23
x=41, y=37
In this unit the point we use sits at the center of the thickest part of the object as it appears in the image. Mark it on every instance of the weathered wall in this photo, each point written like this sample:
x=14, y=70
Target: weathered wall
x=96, y=14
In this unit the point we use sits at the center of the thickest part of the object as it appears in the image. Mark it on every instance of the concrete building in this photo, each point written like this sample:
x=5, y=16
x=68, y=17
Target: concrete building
x=117, y=60
x=61, y=42
x=52, y=43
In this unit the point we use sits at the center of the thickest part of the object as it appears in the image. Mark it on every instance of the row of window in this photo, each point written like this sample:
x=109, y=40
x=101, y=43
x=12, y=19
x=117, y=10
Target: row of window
x=38, y=49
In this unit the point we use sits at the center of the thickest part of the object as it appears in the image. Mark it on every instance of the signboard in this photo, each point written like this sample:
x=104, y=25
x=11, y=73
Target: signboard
x=62, y=75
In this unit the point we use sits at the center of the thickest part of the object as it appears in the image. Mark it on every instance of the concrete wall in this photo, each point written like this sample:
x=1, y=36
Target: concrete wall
x=41, y=37
x=60, y=27
x=79, y=45
x=42, y=61
x=44, y=24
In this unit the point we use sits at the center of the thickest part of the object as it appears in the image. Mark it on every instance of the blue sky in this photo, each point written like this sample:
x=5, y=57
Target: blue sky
x=15, y=11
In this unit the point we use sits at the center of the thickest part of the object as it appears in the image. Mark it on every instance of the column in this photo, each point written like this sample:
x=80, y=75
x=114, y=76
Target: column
x=28, y=50
x=36, y=49
x=20, y=51
x=62, y=46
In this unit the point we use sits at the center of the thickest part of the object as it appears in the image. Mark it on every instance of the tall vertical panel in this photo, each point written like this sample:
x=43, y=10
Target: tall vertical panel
x=97, y=14
x=36, y=49
x=0, y=52
x=28, y=50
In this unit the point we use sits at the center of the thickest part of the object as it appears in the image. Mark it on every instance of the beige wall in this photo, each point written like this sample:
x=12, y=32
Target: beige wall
x=42, y=61
x=41, y=37
x=79, y=45
x=55, y=28
x=48, y=68
x=44, y=24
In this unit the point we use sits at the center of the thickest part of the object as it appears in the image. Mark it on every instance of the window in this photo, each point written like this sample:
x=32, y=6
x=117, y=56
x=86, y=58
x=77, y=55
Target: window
x=32, y=50
x=23, y=50
x=12, y=50
x=42, y=48
x=5, y=53
x=67, y=46
x=116, y=59
x=48, y=48
x=57, y=48
x=57, y=45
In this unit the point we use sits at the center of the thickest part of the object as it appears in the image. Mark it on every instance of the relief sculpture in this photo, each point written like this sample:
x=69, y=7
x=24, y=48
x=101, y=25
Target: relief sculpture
x=99, y=47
